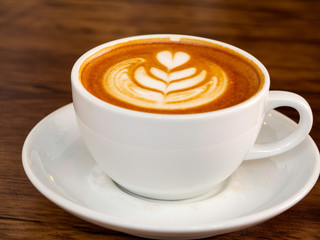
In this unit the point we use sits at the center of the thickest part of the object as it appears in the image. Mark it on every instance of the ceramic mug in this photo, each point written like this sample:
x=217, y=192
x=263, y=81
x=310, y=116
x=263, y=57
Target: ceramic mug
x=180, y=156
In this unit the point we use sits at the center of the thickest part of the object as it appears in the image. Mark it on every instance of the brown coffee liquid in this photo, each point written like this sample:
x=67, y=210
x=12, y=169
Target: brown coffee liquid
x=173, y=77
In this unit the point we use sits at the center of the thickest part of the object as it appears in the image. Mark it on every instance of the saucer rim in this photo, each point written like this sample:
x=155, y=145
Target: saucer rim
x=118, y=223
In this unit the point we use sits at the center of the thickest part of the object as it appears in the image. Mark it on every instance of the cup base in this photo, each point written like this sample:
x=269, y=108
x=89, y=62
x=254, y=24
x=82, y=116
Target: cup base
x=211, y=193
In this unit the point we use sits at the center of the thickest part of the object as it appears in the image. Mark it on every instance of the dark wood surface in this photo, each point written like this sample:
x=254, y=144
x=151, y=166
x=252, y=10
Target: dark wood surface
x=41, y=39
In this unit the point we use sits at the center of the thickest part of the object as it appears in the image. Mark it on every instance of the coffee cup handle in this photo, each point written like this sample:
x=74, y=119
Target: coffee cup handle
x=282, y=99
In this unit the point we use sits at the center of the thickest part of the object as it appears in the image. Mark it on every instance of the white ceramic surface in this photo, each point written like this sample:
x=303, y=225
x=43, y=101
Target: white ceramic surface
x=179, y=156
x=58, y=164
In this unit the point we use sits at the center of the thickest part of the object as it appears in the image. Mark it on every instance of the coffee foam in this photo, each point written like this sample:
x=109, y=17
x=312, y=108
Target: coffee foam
x=174, y=76
x=170, y=86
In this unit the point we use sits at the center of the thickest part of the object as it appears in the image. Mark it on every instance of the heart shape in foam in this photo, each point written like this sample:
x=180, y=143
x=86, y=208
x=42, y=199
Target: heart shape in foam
x=172, y=61
x=136, y=82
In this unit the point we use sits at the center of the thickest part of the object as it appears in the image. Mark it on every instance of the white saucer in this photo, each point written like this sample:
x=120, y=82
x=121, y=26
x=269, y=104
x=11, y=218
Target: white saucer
x=58, y=164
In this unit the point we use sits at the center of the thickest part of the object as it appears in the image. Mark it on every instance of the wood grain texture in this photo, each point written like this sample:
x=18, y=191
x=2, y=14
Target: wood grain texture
x=41, y=39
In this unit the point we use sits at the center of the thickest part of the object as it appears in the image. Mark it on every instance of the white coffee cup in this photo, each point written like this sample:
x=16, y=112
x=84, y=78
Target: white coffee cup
x=180, y=156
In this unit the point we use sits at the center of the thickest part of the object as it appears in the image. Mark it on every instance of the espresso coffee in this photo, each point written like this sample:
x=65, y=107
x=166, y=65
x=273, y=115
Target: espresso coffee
x=171, y=76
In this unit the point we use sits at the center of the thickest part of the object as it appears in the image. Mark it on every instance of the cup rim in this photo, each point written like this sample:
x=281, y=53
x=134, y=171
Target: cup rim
x=76, y=82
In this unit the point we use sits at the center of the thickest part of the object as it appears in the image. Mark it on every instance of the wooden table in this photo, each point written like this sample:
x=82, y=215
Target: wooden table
x=41, y=39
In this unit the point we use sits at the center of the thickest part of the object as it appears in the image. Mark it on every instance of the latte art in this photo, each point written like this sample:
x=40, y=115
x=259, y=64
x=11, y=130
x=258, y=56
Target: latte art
x=173, y=86
x=170, y=76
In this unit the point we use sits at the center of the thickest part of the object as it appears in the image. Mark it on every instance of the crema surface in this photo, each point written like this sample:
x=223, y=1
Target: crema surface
x=170, y=76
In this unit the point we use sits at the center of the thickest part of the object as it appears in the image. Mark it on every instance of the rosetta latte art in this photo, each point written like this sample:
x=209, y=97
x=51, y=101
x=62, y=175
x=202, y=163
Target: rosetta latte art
x=171, y=86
